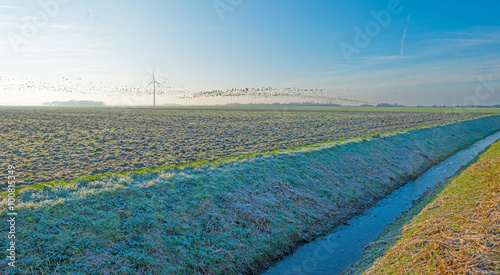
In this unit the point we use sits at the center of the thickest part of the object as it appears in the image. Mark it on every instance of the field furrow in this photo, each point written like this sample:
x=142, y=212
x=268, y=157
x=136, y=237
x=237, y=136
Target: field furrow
x=48, y=144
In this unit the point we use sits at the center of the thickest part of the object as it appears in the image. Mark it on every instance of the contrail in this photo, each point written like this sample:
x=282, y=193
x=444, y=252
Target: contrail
x=404, y=36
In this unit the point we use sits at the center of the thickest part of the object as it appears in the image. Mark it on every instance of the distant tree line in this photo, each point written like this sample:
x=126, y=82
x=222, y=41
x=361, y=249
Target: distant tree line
x=293, y=104
x=388, y=105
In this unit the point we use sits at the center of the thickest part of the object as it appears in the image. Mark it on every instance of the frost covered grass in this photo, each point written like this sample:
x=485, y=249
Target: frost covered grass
x=50, y=144
x=458, y=232
x=224, y=217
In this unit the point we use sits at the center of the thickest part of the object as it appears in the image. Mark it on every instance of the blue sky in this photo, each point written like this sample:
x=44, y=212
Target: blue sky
x=426, y=53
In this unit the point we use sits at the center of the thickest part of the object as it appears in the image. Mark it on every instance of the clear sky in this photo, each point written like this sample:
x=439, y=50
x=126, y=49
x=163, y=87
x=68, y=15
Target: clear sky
x=407, y=52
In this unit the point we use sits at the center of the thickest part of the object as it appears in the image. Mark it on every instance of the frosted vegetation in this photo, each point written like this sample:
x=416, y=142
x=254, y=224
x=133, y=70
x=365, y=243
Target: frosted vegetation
x=222, y=217
x=456, y=230
x=48, y=144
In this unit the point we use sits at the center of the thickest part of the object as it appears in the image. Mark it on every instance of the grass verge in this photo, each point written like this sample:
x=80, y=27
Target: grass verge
x=454, y=230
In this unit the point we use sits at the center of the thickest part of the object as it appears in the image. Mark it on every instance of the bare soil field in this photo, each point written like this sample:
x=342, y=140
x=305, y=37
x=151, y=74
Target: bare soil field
x=47, y=144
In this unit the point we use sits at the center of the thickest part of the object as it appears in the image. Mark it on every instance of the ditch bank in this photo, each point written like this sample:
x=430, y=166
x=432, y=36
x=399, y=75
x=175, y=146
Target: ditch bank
x=454, y=231
x=222, y=217
x=336, y=251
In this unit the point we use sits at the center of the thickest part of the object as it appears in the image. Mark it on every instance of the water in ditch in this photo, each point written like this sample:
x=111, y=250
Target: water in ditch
x=336, y=251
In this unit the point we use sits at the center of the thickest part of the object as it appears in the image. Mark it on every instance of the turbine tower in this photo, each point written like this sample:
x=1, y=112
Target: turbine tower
x=154, y=82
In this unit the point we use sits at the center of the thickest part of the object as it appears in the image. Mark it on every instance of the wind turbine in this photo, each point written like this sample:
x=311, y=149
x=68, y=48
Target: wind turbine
x=154, y=82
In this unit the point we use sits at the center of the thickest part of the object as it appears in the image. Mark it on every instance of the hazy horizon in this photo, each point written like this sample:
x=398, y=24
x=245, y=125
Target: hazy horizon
x=405, y=52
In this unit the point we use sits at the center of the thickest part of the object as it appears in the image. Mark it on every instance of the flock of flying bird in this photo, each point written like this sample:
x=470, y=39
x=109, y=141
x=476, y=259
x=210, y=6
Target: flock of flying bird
x=68, y=85
x=268, y=92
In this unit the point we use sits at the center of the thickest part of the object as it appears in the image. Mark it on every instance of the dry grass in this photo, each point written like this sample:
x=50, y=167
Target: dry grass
x=459, y=232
